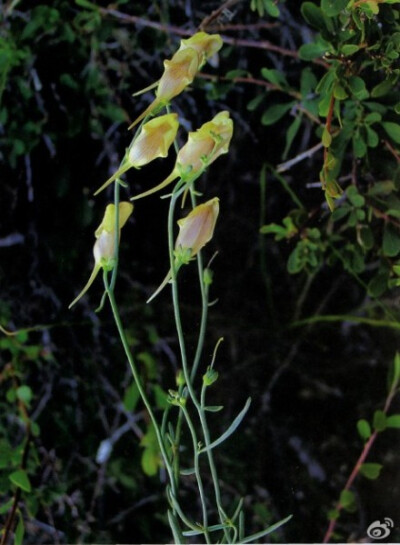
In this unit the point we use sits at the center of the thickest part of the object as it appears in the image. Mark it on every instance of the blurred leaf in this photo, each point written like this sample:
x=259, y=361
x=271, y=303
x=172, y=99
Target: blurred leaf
x=393, y=130
x=370, y=470
x=364, y=429
x=347, y=501
x=391, y=241
x=379, y=420
x=275, y=112
x=333, y=7
x=393, y=421
x=21, y=479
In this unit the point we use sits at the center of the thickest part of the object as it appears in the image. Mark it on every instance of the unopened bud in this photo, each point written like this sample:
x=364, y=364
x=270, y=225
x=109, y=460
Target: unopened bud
x=104, y=247
x=153, y=142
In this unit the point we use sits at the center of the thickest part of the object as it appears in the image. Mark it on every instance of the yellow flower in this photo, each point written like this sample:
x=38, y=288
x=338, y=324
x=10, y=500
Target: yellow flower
x=181, y=69
x=202, y=148
x=205, y=44
x=153, y=141
x=179, y=72
x=104, y=247
x=195, y=230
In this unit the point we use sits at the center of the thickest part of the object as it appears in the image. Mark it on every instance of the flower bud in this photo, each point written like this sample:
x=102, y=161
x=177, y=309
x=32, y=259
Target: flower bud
x=104, y=247
x=179, y=72
x=202, y=148
x=198, y=227
x=194, y=232
x=181, y=69
x=153, y=142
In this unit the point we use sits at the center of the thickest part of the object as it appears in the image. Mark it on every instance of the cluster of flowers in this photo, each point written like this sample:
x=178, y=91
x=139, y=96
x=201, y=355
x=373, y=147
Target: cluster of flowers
x=154, y=139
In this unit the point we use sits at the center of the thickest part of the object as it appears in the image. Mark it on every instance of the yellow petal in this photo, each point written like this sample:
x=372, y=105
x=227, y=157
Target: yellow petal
x=197, y=228
x=205, y=44
x=108, y=222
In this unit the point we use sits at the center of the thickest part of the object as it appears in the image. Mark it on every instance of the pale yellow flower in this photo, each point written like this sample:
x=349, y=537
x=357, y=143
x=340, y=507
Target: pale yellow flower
x=181, y=69
x=202, y=148
x=205, y=44
x=104, y=247
x=195, y=230
x=179, y=72
x=153, y=142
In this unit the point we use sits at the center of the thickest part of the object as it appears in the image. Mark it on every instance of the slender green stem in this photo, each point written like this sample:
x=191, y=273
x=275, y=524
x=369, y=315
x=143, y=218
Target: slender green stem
x=204, y=305
x=197, y=472
x=181, y=340
x=137, y=378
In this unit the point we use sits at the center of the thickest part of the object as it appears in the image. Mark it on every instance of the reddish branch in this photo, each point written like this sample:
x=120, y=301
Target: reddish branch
x=360, y=461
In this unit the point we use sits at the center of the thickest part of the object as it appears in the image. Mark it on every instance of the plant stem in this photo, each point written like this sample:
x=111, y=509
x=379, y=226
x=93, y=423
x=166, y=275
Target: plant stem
x=364, y=453
x=138, y=382
x=178, y=323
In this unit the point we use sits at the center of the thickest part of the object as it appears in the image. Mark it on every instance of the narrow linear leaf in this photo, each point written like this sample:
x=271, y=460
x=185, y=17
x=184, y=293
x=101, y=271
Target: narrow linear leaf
x=231, y=428
x=213, y=528
x=267, y=531
x=174, y=527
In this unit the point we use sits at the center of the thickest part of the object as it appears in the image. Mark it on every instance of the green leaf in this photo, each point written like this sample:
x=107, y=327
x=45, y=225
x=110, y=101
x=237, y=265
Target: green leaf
x=379, y=420
x=213, y=408
x=231, y=428
x=383, y=88
x=366, y=237
x=391, y=241
x=275, y=112
x=314, y=50
x=326, y=137
x=370, y=470
x=331, y=8
x=350, y=49
x=357, y=87
x=313, y=15
x=393, y=421
x=333, y=514
x=255, y=102
x=394, y=372
x=5, y=453
x=393, y=130
x=21, y=479
x=272, y=8
x=364, y=429
x=267, y=531
x=378, y=284
x=19, y=532
x=291, y=134
x=274, y=76
x=6, y=506
x=24, y=394
x=212, y=528
x=354, y=196
x=150, y=462
x=131, y=397
x=347, y=501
